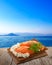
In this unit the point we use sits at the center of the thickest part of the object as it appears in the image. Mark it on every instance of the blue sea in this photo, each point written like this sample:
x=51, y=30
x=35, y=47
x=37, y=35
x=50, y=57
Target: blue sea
x=8, y=41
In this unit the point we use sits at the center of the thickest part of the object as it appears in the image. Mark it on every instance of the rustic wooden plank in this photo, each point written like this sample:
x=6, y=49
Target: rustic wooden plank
x=36, y=62
x=5, y=59
x=13, y=63
x=2, y=50
x=28, y=63
x=49, y=59
x=45, y=61
x=49, y=51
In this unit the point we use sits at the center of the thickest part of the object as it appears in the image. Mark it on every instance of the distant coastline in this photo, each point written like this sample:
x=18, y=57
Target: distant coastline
x=25, y=34
x=10, y=34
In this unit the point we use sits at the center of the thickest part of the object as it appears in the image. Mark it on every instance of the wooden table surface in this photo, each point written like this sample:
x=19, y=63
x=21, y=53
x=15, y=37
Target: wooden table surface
x=5, y=58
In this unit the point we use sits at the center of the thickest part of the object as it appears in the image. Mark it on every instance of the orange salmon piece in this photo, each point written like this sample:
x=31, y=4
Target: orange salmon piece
x=24, y=49
x=25, y=44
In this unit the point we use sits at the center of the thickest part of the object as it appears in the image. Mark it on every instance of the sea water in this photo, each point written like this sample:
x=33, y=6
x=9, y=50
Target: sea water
x=8, y=41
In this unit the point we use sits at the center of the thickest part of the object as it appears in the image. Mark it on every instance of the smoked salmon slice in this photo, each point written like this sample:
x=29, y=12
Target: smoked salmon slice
x=24, y=49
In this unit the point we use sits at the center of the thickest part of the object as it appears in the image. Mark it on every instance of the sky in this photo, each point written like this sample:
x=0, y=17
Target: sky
x=26, y=16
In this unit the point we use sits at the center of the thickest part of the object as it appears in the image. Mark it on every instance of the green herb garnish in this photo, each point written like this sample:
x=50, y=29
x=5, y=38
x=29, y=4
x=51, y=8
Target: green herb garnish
x=35, y=47
x=39, y=45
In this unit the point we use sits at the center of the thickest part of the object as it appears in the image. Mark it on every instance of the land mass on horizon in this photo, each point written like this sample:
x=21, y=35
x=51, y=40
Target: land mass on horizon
x=25, y=34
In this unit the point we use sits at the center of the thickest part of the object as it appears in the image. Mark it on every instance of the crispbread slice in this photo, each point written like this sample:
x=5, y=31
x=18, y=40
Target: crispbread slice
x=23, y=60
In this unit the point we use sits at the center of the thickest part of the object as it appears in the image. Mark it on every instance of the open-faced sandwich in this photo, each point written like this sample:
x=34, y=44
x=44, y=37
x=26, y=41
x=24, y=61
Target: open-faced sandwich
x=28, y=50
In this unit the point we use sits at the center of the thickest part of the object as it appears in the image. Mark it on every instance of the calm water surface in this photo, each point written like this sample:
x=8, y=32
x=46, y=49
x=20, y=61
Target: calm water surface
x=8, y=41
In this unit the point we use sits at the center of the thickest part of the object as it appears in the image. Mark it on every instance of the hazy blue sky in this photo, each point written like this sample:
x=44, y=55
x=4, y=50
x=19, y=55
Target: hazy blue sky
x=26, y=16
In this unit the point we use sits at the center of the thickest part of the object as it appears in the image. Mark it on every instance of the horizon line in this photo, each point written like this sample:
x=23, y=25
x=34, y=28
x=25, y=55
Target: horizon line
x=24, y=32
